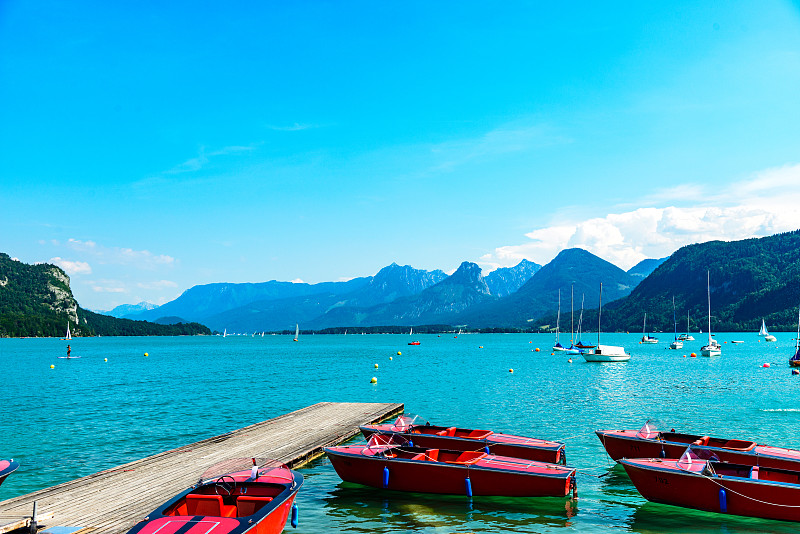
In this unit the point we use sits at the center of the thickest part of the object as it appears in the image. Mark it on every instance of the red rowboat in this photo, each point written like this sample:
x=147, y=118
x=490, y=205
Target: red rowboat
x=413, y=342
x=232, y=497
x=6, y=468
x=423, y=434
x=388, y=462
x=649, y=442
x=692, y=482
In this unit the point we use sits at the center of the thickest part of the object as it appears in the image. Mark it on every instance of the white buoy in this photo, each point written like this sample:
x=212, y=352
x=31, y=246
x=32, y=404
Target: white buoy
x=376, y=366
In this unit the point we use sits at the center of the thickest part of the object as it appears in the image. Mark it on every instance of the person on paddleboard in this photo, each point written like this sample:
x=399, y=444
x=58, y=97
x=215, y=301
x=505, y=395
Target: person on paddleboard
x=68, y=351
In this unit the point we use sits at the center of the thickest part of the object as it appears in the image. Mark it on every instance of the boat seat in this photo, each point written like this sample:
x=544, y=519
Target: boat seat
x=702, y=441
x=246, y=505
x=204, y=505
x=432, y=455
x=442, y=432
x=754, y=472
x=451, y=431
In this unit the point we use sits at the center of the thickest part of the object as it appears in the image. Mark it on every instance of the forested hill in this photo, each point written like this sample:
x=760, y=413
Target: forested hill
x=750, y=280
x=36, y=301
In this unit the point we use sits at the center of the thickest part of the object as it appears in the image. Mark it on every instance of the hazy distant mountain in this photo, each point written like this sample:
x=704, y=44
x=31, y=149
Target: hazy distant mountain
x=507, y=280
x=643, y=269
x=538, y=296
x=750, y=280
x=200, y=302
x=463, y=289
x=389, y=284
x=129, y=309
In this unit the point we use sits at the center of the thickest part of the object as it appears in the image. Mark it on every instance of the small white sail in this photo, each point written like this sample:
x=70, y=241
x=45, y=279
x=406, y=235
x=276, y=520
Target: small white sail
x=296, y=331
x=69, y=335
x=763, y=332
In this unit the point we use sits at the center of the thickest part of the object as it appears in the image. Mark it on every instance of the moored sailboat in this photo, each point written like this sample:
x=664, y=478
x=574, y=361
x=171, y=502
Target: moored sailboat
x=687, y=336
x=794, y=361
x=677, y=343
x=296, y=332
x=647, y=338
x=712, y=348
x=604, y=353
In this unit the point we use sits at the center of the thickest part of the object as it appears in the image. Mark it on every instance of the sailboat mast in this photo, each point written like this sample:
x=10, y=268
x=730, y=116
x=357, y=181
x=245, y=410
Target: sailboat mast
x=708, y=287
x=572, y=315
x=797, y=339
x=558, y=317
x=599, y=313
x=674, y=320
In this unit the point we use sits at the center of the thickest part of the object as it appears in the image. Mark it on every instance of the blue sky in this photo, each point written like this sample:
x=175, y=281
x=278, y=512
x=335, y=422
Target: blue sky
x=147, y=148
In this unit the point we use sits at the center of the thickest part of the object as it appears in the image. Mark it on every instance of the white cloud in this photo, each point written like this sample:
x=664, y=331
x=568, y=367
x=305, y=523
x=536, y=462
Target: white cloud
x=765, y=203
x=108, y=289
x=72, y=267
x=297, y=281
x=142, y=259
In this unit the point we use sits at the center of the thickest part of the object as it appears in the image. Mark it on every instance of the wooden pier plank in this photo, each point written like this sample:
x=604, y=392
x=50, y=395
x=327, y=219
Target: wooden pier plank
x=115, y=499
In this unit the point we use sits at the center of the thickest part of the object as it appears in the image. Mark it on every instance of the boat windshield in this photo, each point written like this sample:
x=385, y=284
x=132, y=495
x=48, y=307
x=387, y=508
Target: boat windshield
x=406, y=421
x=650, y=430
x=692, y=458
x=386, y=441
x=257, y=467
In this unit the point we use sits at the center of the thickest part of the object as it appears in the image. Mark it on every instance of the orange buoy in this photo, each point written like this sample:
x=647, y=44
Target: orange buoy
x=693, y=355
x=537, y=349
x=765, y=365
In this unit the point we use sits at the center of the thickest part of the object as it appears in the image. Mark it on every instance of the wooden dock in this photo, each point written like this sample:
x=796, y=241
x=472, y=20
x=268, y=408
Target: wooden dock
x=114, y=500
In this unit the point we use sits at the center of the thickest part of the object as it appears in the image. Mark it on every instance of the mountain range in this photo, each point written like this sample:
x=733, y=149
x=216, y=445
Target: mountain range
x=401, y=295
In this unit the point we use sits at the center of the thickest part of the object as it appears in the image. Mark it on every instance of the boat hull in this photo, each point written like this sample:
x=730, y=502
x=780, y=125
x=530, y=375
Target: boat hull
x=6, y=468
x=624, y=444
x=691, y=489
x=539, y=450
x=446, y=478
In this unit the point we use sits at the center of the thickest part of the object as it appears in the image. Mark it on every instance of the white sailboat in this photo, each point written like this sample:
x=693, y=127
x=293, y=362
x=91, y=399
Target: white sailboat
x=225, y=332
x=69, y=334
x=765, y=333
x=794, y=361
x=687, y=336
x=677, y=343
x=647, y=338
x=558, y=347
x=712, y=348
x=604, y=353
x=296, y=331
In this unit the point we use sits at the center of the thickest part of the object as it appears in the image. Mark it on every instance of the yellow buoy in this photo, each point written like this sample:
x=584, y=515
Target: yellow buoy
x=374, y=380
x=537, y=349
x=480, y=347
x=510, y=370
x=52, y=366
x=146, y=355
x=399, y=353
x=390, y=358
x=376, y=366
x=105, y=359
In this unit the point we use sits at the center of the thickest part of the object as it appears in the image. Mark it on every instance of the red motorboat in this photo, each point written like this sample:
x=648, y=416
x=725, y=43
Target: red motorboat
x=413, y=342
x=649, y=442
x=389, y=462
x=232, y=497
x=713, y=486
x=423, y=434
x=6, y=468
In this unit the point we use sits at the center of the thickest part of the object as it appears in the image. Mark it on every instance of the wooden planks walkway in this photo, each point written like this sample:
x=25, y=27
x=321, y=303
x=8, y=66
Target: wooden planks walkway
x=114, y=500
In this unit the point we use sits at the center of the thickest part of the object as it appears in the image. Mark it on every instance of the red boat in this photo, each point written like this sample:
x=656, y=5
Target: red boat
x=713, y=486
x=413, y=342
x=232, y=497
x=649, y=442
x=6, y=468
x=389, y=462
x=423, y=434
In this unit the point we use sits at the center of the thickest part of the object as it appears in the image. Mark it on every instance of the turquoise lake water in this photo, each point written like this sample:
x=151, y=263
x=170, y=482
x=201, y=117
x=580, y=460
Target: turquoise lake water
x=87, y=414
